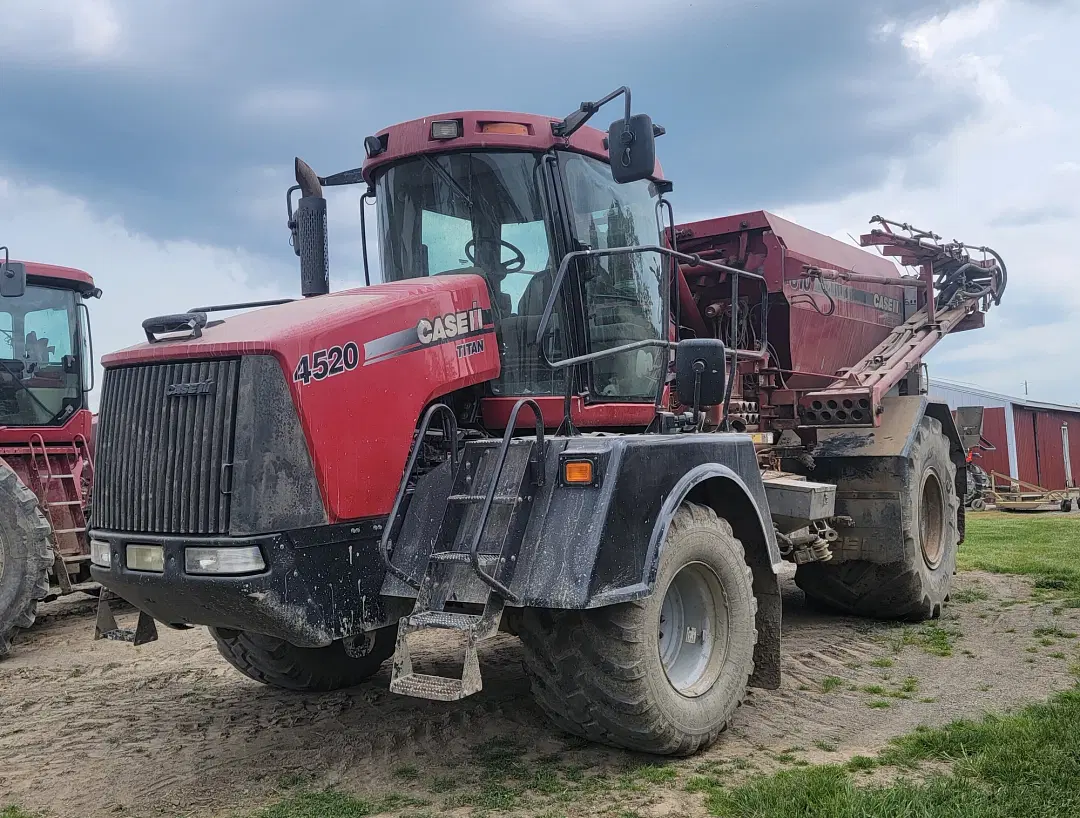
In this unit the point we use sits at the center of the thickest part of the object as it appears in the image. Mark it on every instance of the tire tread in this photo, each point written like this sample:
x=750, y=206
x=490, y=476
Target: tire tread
x=589, y=674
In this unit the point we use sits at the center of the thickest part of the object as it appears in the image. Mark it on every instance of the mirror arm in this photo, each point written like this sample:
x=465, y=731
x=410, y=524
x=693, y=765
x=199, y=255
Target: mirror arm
x=569, y=126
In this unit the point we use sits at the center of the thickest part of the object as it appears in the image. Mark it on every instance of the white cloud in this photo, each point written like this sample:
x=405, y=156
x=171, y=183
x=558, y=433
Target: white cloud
x=1005, y=179
x=61, y=31
x=139, y=276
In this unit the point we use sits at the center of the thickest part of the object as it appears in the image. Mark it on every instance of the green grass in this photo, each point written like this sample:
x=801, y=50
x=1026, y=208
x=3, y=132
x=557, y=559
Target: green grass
x=1025, y=764
x=406, y=772
x=882, y=661
x=830, y=683
x=14, y=812
x=328, y=804
x=970, y=595
x=1043, y=548
x=1057, y=633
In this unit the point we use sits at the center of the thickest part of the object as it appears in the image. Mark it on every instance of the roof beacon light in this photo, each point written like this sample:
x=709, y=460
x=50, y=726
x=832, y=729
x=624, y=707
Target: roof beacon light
x=445, y=129
x=511, y=128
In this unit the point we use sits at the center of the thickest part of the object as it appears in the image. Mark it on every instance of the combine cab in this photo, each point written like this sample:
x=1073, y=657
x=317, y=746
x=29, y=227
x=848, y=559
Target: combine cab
x=555, y=412
x=46, y=436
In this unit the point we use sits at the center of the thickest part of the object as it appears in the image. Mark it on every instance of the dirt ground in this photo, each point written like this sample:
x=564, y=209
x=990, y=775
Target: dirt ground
x=104, y=729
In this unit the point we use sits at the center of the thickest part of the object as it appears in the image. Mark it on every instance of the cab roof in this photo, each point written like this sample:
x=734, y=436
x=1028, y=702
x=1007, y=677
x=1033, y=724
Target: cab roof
x=59, y=276
x=414, y=137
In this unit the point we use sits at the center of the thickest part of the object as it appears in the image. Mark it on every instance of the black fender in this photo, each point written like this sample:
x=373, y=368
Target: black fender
x=717, y=486
x=864, y=463
x=597, y=544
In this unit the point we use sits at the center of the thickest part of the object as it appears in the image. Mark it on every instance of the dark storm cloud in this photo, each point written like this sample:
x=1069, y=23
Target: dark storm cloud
x=766, y=104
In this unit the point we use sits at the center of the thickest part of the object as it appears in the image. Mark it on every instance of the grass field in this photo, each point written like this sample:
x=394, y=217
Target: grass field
x=1025, y=764
x=1043, y=547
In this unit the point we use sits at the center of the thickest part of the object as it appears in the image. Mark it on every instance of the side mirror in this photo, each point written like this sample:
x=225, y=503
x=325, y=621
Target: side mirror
x=632, y=148
x=12, y=279
x=700, y=372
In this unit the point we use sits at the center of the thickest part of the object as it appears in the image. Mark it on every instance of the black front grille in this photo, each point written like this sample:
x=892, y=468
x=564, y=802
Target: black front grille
x=164, y=447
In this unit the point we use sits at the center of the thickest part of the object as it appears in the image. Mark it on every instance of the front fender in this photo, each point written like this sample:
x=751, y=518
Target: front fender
x=739, y=499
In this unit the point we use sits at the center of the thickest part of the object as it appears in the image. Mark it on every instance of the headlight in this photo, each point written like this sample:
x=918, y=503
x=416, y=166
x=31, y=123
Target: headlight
x=146, y=558
x=227, y=560
x=100, y=553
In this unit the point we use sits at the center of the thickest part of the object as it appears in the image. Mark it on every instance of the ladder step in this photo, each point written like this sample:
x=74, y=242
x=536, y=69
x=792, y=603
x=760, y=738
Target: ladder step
x=65, y=503
x=68, y=530
x=447, y=620
x=462, y=558
x=479, y=498
x=439, y=688
x=47, y=476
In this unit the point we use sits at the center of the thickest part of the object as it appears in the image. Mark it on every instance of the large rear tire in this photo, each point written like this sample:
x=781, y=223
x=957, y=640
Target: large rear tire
x=25, y=556
x=663, y=674
x=916, y=587
x=278, y=663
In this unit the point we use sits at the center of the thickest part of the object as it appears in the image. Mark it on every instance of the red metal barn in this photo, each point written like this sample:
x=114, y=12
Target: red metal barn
x=1034, y=441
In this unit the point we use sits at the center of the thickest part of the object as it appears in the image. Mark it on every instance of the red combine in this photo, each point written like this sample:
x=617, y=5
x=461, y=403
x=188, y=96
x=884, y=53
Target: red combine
x=46, y=372
x=553, y=412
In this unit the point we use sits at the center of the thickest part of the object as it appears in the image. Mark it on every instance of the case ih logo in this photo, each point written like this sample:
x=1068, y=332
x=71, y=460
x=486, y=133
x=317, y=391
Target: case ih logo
x=179, y=390
x=451, y=325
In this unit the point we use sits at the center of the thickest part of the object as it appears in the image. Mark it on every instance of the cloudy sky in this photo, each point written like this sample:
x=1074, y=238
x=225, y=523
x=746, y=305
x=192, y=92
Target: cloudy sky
x=150, y=141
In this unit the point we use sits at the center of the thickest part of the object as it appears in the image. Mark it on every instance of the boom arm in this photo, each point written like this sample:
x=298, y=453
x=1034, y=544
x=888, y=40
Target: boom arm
x=963, y=290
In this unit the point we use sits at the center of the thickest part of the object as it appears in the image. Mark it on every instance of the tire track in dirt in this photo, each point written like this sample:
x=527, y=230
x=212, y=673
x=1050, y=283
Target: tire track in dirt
x=96, y=728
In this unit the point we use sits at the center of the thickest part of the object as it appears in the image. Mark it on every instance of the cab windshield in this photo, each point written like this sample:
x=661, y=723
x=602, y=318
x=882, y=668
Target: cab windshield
x=39, y=357
x=478, y=213
x=483, y=213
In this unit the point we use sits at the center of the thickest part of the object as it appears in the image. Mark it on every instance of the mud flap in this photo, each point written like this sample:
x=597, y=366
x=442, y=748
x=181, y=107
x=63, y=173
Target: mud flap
x=105, y=626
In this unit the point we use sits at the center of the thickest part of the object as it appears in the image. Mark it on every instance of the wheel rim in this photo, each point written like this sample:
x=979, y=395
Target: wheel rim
x=693, y=629
x=932, y=520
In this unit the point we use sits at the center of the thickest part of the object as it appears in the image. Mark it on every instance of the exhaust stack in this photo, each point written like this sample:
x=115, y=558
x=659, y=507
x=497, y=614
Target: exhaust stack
x=309, y=231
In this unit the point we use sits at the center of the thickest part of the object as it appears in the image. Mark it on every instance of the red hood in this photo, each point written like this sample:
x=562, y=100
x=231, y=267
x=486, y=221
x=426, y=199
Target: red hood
x=408, y=343
x=288, y=329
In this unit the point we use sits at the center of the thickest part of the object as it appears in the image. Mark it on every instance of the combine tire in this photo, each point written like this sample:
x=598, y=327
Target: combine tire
x=25, y=556
x=917, y=587
x=278, y=663
x=663, y=674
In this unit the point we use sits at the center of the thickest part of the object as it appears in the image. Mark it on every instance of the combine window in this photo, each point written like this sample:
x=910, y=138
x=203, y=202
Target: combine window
x=39, y=357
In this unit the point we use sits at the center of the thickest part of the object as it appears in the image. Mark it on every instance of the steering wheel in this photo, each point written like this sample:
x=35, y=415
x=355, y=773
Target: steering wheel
x=514, y=265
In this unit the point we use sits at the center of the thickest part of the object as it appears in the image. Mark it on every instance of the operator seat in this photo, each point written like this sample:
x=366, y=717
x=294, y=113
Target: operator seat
x=521, y=357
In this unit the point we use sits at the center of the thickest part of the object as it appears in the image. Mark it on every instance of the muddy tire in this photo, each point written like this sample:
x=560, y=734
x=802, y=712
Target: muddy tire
x=278, y=663
x=917, y=587
x=645, y=675
x=25, y=556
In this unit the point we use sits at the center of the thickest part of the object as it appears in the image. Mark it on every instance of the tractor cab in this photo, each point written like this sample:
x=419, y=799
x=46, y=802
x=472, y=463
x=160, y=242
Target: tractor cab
x=46, y=365
x=513, y=198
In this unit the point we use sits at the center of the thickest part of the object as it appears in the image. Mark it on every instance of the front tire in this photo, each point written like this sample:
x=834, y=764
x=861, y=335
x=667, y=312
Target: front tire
x=25, y=556
x=663, y=674
x=278, y=663
x=916, y=587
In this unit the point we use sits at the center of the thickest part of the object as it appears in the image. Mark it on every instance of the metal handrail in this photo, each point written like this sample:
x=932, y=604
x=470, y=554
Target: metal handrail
x=385, y=544
x=690, y=258
x=493, y=485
